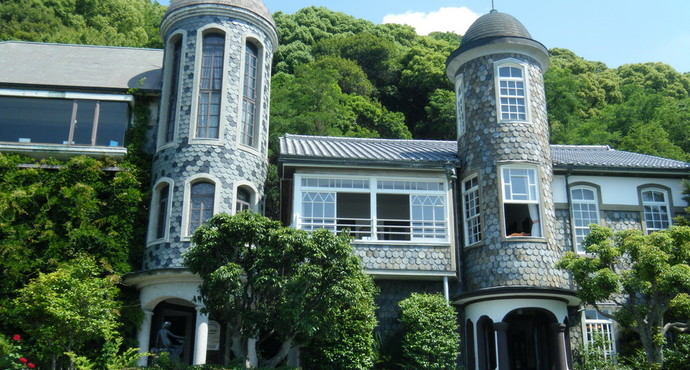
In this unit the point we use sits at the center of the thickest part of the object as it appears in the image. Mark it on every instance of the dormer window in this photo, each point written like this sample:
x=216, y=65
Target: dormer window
x=512, y=91
x=210, y=86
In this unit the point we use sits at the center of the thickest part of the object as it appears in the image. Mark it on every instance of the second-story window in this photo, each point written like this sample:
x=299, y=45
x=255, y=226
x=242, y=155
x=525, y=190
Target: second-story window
x=210, y=86
x=173, y=92
x=656, y=210
x=244, y=200
x=460, y=105
x=162, y=211
x=249, y=95
x=585, y=208
x=521, y=201
x=471, y=211
x=512, y=93
x=374, y=209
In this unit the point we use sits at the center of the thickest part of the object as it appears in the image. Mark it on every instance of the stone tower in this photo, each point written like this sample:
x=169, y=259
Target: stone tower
x=509, y=251
x=211, y=147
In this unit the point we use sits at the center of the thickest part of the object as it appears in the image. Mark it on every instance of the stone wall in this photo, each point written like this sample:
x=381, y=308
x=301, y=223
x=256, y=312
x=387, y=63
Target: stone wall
x=406, y=257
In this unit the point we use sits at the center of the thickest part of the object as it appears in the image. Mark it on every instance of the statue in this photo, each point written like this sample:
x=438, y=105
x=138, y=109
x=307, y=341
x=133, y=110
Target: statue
x=169, y=342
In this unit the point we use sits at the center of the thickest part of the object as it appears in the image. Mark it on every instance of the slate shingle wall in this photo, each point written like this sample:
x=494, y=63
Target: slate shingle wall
x=406, y=257
x=227, y=162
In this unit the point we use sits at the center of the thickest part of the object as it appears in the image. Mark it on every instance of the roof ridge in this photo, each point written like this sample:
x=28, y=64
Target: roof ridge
x=351, y=138
x=575, y=146
x=77, y=45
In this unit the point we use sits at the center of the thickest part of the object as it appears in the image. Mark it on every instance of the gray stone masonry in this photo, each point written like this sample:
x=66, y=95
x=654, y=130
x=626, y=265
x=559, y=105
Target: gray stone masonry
x=487, y=142
x=405, y=257
x=224, y=160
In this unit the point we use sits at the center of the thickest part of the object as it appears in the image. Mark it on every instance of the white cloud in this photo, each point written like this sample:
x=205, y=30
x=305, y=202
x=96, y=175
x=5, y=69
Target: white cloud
x=456, y=20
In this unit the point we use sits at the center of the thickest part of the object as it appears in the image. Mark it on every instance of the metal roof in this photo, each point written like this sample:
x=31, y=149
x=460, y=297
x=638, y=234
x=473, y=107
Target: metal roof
x=314, y=148
x=350, y=148
x=495, y=24
x=80, y=66
x=598, y=156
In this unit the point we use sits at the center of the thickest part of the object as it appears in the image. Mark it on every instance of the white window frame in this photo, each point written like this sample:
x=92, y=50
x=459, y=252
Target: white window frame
x=196, y=86
x=187, y=206
x=164, y=118
x=259, y=134
x=471, y=207
x=532, y=197
x=603, y=325
x=155, y=211
x=514, y=63
x=253, y=197
x=423, y=227
x=580, y=231
x=656, y=209
x=461, y=117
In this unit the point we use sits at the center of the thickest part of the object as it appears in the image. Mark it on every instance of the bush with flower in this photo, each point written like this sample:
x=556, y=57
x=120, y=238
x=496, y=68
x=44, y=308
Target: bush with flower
x=10, y=354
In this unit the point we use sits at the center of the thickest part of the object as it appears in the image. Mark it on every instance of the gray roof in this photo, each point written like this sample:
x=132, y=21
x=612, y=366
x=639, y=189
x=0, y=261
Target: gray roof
x=367, y=150
x=603, y=156
x=255, y=6
x=497, y=27
x=306, y=149
x=81, y=66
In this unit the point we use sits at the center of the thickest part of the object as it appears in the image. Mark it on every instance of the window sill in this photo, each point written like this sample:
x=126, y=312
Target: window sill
x=250, y=149
x=425, y=243
x=537, y=239
x=62, y=151
x=156, y=242
x=199, y=141
x=170, y=144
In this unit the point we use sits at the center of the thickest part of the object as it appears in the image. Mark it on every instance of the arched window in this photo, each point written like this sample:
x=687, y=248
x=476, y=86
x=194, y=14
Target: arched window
x=201, y=199
x=585, y=208
x=244, y=200
x=460, y=105
x=162, y=216
x=160, y=211
x=469, y=345
x=210, y=86
x=174, y=77
x=250, y=94
x=512, y=92
x=656, y=210
x=486, y=343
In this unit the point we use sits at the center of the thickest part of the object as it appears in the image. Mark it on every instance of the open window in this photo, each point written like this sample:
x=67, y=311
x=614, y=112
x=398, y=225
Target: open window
x=521, y=201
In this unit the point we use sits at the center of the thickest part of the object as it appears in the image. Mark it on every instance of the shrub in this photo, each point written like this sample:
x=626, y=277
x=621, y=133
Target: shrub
x=431, y=332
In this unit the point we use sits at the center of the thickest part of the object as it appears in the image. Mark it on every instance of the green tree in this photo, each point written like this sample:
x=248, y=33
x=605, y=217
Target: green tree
x=268, y=281
x=431, y=339
x=64, y=310
x=643, y=274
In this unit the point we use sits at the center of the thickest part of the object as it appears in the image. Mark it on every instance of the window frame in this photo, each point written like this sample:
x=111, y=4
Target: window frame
x=253, y=197
x=257, y=147
x=460, y=107
x=154, y=215
x=170, y=104
x=250, y=129
x=186, y=233
x=193, y=138
x=514, y=63
x=577, y=246
x=668, y=203
x=428, y=227
x=537, y=201
x=475, y=192
x=611, y=352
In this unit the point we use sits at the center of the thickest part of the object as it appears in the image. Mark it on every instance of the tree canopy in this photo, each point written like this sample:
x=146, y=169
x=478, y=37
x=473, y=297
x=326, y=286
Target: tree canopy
x=254, y=271
x=644, y=275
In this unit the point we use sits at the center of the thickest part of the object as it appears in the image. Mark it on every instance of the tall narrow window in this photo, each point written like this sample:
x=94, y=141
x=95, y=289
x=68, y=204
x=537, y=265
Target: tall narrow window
x=512, y=93
x=656, y=210
x=174, y=87
x=521, y=202
x=202, y=199
x=243, y=201
x=585, y=212
x=470, y=199
x=460, y=105
x=208, y=115
x=249, y=95
x=162, y=215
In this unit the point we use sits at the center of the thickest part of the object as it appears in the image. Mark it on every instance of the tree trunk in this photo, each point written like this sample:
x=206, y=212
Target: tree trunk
x=280, y=356
x=652, y=350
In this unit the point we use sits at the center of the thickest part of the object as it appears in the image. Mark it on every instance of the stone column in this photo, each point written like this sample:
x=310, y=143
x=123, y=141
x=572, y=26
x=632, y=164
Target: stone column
x=201, y=339
x=144, y=336
x=558, y=333
x=501, y=329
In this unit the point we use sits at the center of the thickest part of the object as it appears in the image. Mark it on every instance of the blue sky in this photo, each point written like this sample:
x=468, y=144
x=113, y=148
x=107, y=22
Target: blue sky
x=611, y=31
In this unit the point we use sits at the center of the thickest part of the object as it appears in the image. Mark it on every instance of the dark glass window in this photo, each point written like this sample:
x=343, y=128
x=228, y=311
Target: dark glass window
x=202, y=199
x=208, y=116
x=62, y=121
x=243, y=202
x=162, y=216
x=174, y=87
x=249, y=95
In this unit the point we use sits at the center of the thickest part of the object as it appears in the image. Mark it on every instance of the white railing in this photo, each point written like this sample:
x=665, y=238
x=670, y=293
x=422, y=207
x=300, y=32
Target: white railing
x=385, y=229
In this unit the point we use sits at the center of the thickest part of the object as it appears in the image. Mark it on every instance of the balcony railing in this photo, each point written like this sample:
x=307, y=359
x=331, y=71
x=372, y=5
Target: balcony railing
x=384, y=229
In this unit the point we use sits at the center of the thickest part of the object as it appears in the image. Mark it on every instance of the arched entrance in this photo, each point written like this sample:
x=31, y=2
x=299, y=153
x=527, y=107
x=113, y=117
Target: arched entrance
x=181, y=316
x=532, y=339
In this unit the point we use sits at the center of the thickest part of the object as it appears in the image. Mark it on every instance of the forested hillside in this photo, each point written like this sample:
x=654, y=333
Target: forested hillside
x=338, y=75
